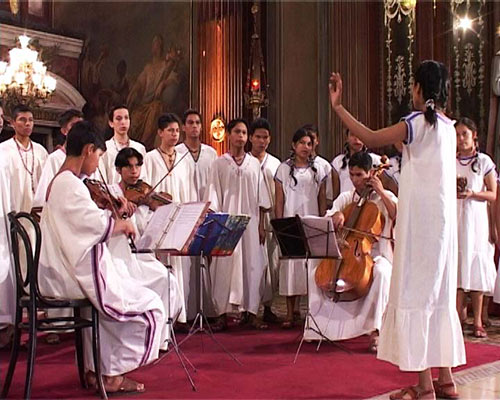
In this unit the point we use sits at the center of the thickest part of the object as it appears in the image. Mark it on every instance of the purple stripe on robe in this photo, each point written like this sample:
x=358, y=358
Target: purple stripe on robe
x=108, y=231
x=96, y=255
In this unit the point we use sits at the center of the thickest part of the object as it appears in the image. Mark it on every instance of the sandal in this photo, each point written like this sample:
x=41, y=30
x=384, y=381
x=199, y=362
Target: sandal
x=52, y=338
x=480, y=333
x=256, y=324
x=412, y=393
x=487, y=323
x=126, y=386
x=443, y=392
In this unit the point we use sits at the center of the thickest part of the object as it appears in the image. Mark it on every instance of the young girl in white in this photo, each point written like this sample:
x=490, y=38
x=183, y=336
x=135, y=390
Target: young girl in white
x=476, y=267
x=421, y=328
x=300, y=190
x=341, y=180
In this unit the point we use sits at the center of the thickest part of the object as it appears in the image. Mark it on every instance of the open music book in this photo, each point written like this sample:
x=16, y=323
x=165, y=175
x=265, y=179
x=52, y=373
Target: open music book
x=173, y=226
x=309, y=236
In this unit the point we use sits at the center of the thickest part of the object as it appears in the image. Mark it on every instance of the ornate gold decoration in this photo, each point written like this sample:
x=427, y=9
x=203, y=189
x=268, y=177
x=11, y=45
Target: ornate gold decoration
x=14, y=6
x=399, y=10
x=469, y=68
x=217, y=130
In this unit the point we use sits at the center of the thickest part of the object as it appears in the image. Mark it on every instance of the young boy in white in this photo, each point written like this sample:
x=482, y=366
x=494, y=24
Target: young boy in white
x=56, y=158
x=237, y=186
x=260, y=137
x=75, y=262
x=349, y=319
x=119, y=121
x=22, y=161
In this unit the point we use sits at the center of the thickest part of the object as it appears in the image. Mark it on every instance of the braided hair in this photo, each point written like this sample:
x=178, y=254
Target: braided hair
x=301, y=132
x=347, y=152
x=471, y=125
x=433, y=78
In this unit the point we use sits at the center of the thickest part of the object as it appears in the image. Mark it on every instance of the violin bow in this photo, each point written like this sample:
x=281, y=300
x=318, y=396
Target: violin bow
x=169, y=172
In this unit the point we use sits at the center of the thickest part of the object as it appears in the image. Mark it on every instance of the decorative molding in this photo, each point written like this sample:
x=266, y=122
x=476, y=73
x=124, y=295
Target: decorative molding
x=67, y=47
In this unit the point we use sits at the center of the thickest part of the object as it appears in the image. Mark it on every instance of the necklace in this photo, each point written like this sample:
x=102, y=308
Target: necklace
x=24, y=160
x=120, y=145
x=239, y=160
x=465, y=161
x=170, y=157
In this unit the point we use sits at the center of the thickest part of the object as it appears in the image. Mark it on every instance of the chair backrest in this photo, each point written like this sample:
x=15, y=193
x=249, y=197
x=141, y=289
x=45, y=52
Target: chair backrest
x=26, y=282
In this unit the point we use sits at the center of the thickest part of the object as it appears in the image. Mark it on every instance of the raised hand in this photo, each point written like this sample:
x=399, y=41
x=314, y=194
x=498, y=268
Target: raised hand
x=335, y=87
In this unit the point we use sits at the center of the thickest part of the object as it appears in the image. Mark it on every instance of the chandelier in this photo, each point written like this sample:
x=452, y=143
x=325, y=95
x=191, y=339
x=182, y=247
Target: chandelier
x=24, y=80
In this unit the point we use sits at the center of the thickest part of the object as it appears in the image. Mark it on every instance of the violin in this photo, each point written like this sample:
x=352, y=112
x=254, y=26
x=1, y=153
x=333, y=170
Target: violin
x=350, y=278
x=101, y=195
x=143, y=194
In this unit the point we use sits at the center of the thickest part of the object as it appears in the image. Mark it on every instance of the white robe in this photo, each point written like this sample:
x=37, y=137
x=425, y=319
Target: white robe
x=7, y=285
x=269, y=166
x=238, y=280
x=476, y=265
x=299, y=199
x=75, y=262
x=421, y=328
x=177, y=185
x=107, y=161
x=327, y=170
x=349, y=319
x=343, y=173
x=197, y=172
x=50, y=169
x=18, y=187
x=144, y=267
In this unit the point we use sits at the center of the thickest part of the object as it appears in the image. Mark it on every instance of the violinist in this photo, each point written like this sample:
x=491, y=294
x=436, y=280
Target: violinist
x=364, y=316
x=75, y=262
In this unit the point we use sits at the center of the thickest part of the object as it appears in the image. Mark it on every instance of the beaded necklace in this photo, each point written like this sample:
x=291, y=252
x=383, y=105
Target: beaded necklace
x=24, y=160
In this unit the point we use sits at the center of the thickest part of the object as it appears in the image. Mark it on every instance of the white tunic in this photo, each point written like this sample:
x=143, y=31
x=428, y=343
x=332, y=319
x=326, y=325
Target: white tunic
x=421, y=328
x=145, y=267
x=50, y=169
x=21, y=172
x=75, y=262
x=300, y=198
x=476, y=266
x=197, y=172
x=343, y=173
x=107, y=161
x=7, y=286
x=269, y=166
x=327, y=170
x=238, y=280
x=177, y=185
x=349, y=319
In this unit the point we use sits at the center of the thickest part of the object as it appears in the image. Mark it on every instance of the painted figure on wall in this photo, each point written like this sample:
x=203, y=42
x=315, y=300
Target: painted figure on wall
x=154, y=91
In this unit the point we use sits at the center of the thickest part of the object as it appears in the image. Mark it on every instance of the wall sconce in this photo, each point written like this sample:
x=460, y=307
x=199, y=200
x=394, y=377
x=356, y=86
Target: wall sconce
x=255, y=95
x=217, y=130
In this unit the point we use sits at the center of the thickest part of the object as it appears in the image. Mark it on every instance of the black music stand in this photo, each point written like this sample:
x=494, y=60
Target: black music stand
x=217, y=236
x=299, y=239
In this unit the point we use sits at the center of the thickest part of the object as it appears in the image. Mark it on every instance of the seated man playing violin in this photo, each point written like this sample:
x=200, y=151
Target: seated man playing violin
x=351, y=319
x=75, y=262
x=144, y=201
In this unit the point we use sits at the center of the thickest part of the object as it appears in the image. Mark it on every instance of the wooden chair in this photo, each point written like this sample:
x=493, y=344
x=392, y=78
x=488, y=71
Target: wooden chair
x=28, y=296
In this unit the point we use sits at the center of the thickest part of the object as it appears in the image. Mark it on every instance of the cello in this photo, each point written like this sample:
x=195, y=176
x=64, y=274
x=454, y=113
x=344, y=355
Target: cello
x=350, y=278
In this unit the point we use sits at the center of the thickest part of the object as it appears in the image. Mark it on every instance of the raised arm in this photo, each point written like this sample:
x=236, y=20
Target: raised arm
x=382, y=137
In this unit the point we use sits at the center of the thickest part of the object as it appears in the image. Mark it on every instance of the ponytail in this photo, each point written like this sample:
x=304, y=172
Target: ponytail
x=430, y=112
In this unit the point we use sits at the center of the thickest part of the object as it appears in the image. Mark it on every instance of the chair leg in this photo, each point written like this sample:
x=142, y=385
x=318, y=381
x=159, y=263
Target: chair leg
x=79, y=350
x=30, y=364
x=96, y=352
x=14, y=353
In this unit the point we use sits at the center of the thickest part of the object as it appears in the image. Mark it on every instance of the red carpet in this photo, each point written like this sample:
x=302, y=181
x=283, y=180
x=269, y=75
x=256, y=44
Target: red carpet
x=267, y=372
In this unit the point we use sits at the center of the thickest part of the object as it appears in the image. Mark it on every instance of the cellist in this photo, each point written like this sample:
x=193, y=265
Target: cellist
x=364, y=316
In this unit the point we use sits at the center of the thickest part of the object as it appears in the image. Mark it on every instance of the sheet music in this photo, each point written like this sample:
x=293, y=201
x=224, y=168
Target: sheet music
x=320, y=236
x=172, y=228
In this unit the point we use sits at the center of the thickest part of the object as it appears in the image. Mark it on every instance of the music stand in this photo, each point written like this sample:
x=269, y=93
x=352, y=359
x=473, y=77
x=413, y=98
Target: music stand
x=302, y=238
x=217, y=236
